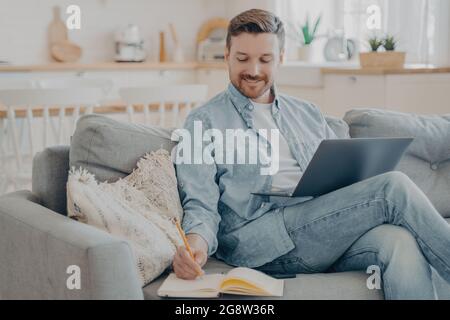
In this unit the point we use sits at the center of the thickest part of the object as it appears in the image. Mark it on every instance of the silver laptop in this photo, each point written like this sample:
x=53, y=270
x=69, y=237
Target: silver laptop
x=338, y=163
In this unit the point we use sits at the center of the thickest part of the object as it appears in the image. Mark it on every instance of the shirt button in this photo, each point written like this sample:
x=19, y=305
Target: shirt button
x=434, y=166
x=250, y=107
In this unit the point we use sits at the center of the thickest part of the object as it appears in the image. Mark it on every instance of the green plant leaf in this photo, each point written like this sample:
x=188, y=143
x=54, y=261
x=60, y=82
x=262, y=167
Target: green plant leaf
x=375, y=43
x=308, y=34
x=306, y=38
x=316, y=25
x=389, y=43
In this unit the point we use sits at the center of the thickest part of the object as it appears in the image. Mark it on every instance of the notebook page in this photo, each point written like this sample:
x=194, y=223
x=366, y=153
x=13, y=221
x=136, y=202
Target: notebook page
x=258, y=279
x=173, y=284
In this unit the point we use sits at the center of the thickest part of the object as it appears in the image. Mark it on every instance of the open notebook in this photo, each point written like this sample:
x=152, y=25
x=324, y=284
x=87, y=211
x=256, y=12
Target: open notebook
x=242, y=281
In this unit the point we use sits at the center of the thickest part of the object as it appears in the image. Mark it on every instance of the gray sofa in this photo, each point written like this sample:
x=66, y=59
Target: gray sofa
x=38, y=242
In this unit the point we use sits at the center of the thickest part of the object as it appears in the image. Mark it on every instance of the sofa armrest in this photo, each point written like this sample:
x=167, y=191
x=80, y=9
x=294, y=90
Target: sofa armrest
x=38, y=245
x=50, y=172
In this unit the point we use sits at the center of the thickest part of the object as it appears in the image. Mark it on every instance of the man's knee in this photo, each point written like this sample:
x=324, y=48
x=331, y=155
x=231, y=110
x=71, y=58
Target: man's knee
x=398, y=185
x=397, y=178
x=398, y=244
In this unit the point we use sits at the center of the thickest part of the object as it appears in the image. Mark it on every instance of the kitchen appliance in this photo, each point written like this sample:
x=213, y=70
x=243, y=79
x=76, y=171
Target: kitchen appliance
x=339, y=48
x=211, y=50
x=129, y=45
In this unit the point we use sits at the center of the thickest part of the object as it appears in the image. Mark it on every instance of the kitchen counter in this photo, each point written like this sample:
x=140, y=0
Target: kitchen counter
x=190, y=65
x=323, y=68
x=409, y=69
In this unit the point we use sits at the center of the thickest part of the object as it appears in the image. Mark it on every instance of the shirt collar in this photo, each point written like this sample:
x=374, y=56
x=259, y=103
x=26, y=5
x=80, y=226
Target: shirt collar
x=242, y=103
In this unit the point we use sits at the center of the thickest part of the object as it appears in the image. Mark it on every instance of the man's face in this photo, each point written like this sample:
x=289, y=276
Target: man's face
x=253, y=60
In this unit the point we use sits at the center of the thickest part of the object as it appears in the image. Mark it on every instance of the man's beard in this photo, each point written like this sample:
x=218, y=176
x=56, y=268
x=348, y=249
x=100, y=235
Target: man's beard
x=252, y=94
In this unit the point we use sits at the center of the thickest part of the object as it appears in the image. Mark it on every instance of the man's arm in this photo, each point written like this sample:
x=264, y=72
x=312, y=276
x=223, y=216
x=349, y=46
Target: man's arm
x=199, y=195
x=328, y=132
x=199, y=192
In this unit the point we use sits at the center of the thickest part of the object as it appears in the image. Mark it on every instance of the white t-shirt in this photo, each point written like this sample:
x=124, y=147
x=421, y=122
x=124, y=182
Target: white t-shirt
x=289, y=173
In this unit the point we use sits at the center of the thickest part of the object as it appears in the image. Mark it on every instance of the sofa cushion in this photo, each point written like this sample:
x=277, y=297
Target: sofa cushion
x=427, y=160
x=343, y=285
x=110, y=149
x=128, y=210
x=339, y=126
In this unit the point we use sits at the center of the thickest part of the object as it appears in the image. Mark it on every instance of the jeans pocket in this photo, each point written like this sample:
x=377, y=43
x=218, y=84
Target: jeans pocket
x=302, y=265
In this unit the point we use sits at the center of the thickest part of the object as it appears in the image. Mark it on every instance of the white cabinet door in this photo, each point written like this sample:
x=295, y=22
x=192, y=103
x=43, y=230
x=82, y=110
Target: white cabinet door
x=309, y=94
x=419, y=93
x=345, y=92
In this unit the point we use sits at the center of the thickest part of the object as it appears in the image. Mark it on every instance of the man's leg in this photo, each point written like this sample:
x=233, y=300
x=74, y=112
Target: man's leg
x=324, y=228
x=405, y=272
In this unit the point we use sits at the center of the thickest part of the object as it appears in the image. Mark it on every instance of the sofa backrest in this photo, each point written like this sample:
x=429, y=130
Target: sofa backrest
x=427, y=160
x=110, y=149
x=107, y=148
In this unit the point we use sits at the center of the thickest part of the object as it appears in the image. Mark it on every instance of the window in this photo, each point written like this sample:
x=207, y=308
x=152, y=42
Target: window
x=421, y=26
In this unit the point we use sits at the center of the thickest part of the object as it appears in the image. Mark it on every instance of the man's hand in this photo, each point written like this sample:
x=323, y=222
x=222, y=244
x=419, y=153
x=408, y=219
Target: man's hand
x=184, y=266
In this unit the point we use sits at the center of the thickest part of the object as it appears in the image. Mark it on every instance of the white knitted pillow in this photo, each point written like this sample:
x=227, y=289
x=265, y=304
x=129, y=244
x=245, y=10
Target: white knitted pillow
x=137, y=208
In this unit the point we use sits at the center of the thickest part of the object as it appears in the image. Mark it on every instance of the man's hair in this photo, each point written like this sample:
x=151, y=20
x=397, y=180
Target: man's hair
x=256, y=21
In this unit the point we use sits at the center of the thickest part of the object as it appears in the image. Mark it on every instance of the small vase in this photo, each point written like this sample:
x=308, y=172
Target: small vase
x=178, y=54
x=304, y=53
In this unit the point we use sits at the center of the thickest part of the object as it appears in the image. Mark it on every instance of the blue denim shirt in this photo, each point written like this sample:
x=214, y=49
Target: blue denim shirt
x=241, y=228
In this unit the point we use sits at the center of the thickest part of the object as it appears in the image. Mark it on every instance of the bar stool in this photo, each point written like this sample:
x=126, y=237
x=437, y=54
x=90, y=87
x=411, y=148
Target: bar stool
x=48, y=118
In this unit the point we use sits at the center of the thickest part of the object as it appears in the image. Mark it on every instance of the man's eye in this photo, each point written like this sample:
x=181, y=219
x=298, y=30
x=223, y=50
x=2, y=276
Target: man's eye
x=241, y=59
x=266, y=61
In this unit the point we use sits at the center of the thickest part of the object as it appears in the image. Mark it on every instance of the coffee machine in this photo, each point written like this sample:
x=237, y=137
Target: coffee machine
x=129, y=45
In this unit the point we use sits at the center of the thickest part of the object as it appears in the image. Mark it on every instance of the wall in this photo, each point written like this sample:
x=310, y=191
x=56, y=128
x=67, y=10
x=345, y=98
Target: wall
x=23, y=25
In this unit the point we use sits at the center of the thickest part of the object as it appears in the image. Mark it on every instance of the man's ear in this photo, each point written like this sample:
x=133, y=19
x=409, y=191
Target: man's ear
x=227, y=54
x=281, y=56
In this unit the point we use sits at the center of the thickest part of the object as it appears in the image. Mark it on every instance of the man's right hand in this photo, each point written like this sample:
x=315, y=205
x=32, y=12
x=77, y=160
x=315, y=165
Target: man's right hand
x=184, y=266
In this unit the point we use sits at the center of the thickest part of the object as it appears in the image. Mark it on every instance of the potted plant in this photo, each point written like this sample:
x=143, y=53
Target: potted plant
x=388, y=59
x=305, y=35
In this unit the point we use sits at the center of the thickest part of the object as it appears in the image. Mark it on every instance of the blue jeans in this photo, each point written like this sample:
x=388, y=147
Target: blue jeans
x=386, y=221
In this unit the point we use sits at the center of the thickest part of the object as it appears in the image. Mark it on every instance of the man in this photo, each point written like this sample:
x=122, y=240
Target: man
x=384, y=221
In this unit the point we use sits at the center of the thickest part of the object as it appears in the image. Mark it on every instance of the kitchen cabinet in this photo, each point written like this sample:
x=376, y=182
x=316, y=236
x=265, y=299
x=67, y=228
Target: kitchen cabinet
x=425, y=93
x=345, y=92
x=416, y=93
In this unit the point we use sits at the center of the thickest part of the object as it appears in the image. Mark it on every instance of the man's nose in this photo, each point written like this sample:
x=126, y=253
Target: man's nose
x=254, y=69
